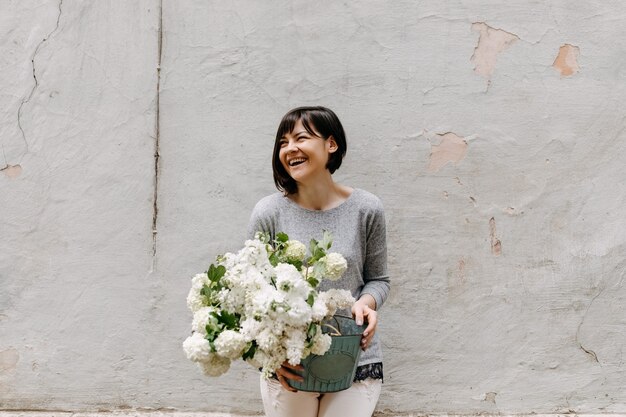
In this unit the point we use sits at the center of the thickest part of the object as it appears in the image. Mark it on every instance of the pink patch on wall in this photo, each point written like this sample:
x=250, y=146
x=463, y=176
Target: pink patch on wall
x=12, y=171
x=566, y=61
x=8, y=360
x=490, y=43
x=451, y=149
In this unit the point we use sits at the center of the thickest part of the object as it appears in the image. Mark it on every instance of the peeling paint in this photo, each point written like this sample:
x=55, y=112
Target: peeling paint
x=12, y=171
x=496, y=245
x=452, y=148
x=490, y=43
x=566, y=61
x=490, y=397
x=8, y=360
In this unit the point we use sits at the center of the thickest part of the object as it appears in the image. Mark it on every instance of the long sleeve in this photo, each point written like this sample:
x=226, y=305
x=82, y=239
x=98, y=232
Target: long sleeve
x=375, y=273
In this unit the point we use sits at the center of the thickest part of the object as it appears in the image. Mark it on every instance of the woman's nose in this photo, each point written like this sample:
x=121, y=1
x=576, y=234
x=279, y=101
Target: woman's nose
x=291, y=146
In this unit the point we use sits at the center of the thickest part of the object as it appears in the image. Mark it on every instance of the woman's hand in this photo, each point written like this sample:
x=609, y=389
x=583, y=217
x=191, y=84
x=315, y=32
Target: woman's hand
x=285, y=372
x=364, y=310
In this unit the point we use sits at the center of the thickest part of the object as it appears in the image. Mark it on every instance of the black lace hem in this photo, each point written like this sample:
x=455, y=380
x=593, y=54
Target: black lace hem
x=371, y=370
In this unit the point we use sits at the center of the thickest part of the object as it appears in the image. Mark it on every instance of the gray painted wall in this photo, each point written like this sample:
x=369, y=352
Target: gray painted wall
x=493, y=132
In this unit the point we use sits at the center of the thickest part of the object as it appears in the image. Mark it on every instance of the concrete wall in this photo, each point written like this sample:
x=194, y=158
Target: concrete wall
x=494, y=132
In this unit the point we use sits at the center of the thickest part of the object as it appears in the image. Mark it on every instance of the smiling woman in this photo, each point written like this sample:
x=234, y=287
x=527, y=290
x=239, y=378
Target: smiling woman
x=294, y=134
x=310, y=146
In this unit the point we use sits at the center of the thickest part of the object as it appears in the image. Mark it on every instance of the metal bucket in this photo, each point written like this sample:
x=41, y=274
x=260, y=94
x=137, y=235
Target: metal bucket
x=334, y=371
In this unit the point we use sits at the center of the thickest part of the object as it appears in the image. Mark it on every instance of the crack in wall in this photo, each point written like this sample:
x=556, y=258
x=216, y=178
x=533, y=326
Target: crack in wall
x=32, y=91
x=587, y=351
x=155, y=207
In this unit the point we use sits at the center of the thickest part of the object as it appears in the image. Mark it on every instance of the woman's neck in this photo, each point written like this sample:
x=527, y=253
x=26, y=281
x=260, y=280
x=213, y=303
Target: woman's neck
x=321, y=195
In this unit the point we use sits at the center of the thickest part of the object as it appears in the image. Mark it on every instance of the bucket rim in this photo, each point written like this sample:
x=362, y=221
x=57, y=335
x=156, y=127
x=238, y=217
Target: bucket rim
x=341, y=316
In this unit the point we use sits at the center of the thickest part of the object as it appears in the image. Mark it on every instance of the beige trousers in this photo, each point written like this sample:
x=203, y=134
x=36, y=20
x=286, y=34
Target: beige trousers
x=357, y=401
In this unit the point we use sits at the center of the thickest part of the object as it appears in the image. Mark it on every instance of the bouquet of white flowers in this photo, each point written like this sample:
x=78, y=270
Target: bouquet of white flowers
x=262, y=304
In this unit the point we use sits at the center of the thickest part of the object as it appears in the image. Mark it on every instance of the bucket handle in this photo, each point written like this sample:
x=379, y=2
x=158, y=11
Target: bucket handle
x=337, y=329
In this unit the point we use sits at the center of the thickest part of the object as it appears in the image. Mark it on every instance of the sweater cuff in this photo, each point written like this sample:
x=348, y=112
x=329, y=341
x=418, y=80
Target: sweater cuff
x=378, y=294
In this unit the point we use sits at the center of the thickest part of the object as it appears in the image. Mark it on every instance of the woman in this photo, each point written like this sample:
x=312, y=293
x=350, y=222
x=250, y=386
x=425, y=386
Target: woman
x=310, y=145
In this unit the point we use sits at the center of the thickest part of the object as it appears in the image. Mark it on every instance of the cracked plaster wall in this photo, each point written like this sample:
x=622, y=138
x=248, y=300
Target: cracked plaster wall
x=493, y=132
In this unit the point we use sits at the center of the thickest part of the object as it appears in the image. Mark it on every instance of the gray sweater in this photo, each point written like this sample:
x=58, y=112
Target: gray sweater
x=358, y=230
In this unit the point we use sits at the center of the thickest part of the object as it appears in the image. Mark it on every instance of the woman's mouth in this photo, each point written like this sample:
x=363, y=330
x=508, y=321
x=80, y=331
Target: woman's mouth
x=296, y=161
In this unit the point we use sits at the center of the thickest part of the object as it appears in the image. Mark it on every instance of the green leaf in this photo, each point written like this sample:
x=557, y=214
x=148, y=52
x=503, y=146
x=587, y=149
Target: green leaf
x=319, y=269
x=249, y=353
x=262, y=236
x=205, y=291
x=311, y=300
x=327, y=240
x=229, y=320
x=211, y=335
x=311, y=331
x=313, y=282
x=216, y=273
x=282, y=237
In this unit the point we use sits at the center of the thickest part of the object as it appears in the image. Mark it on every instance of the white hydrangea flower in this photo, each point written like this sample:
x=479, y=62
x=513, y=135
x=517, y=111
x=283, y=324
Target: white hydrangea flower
x=228, y=260
x=202, y=318
x=335, y=266
x=230, y=344
x=289, y=280
x=234, y=299
x=294, y=345
x=295, y=250
x=195, y=300
x=319, y=309
x=260, y=302
x=267, y=340
x=250, y=328
x=197, y=348
x=199, y=280
x=215, y=365
x=271, y=360
x=321, y=343
x=299, y=313
x=336, y=299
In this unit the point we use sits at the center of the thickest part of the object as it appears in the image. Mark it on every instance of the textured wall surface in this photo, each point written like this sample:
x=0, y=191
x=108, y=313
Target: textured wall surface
x=494, y=132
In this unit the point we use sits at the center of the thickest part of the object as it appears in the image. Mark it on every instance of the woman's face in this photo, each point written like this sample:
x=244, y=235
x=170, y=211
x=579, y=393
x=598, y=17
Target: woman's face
x=303, y=155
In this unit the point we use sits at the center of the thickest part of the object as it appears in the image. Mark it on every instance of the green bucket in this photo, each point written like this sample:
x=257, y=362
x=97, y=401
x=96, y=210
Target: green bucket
x=333, y=371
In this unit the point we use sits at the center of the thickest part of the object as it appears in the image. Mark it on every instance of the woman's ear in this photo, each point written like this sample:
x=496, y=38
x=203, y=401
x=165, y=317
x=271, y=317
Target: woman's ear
x=332, y=144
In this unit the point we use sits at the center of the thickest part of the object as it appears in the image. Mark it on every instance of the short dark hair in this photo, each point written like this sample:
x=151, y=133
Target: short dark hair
x=316, y=120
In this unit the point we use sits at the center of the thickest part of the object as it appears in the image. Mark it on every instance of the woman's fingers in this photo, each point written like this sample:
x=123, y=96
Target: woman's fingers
x=371, y=320
x=285, y=372
x=370, y=317
x=297, y=367
x=284, y=383
x=364, y=313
